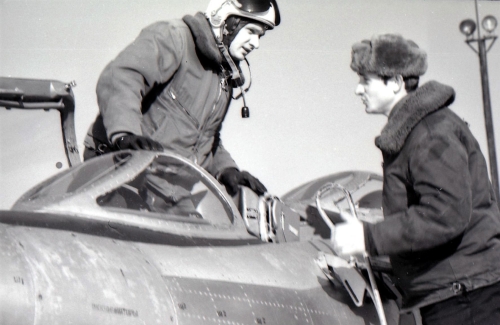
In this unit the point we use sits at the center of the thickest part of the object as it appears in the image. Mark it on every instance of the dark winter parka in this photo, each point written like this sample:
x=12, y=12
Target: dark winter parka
x=169, y=85
x=442, y=223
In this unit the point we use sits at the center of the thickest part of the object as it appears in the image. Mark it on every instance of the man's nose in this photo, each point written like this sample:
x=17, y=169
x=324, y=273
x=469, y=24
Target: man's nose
x=255, y=41
x=359, y=90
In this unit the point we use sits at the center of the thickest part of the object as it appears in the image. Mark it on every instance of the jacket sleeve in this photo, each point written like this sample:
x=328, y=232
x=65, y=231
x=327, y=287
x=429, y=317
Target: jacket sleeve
x=438, y=169
x=152, y=58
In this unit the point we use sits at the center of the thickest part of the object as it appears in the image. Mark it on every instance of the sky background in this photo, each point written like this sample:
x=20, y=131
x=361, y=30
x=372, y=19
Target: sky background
x=306, y=121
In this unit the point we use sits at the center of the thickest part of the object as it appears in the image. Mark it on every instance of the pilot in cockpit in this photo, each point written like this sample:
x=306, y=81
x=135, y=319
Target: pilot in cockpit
x=171, y=88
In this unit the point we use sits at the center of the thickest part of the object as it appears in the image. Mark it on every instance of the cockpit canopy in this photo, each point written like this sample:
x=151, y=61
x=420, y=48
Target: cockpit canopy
x=148, y=184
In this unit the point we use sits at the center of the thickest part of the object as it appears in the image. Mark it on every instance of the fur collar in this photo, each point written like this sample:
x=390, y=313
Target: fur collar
x=409, y=111
x=204, y=37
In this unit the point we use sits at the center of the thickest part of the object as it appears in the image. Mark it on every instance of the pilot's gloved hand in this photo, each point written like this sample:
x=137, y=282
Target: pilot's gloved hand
x=137, y=142
x=232, y=177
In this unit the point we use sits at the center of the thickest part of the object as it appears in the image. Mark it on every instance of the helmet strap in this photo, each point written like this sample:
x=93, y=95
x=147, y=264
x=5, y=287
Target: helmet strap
x=236, y=76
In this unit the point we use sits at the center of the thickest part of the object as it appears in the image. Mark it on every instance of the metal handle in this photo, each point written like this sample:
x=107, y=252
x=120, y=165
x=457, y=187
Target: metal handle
x=329, y=187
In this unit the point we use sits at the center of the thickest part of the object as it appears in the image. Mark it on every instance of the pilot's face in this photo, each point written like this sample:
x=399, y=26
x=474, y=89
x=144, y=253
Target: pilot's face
x=377, y=95
x=246, y=41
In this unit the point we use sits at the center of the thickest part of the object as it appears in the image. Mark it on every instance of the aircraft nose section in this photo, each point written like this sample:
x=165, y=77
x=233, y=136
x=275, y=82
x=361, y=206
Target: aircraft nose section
x=51, y=275
x=17, y=303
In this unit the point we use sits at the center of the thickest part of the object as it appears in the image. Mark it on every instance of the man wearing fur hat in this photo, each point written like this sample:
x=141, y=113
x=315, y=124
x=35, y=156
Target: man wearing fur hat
x=171, y=88
x=442, y=223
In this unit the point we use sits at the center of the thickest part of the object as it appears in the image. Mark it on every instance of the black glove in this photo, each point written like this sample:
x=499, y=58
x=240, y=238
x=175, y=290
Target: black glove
x=232, y=177
x=137, y=142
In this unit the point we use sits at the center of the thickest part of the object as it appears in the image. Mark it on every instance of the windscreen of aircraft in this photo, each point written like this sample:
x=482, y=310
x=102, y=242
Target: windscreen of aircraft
x=161, y=187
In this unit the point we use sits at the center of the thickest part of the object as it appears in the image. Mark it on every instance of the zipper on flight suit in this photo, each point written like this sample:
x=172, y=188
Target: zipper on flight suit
x=202, y=129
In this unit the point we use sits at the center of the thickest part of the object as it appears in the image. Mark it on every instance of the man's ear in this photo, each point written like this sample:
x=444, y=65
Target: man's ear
x=397, y=83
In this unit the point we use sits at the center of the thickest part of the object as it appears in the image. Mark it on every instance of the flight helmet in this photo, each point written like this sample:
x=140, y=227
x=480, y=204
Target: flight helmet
x=264, y=11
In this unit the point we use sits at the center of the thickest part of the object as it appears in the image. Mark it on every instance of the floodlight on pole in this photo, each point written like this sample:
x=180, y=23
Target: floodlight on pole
x=489, y=23
x=468, y=27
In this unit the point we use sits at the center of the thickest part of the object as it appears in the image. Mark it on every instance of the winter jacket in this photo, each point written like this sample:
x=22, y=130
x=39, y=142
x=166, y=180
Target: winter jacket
x=169, y=85
x=442, y=223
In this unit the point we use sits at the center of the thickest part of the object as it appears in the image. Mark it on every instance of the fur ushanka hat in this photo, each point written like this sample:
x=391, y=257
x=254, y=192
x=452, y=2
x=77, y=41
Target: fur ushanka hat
x=389, y=55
